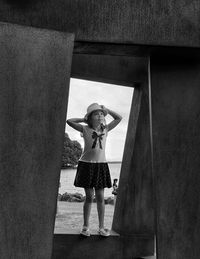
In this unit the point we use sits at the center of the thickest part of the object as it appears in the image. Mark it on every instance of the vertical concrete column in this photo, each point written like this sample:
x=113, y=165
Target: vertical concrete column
x=34, y=81
x=176, y=151
x=134, y=212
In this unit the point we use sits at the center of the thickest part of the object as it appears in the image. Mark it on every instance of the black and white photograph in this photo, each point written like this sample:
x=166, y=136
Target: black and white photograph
x=99, y=129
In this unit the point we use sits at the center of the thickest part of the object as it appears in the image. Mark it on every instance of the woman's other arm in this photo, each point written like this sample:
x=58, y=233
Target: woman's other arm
x=117, y=118
x=75, y=123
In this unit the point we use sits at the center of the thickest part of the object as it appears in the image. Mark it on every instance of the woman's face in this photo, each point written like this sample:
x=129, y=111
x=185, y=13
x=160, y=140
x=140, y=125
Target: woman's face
x=97, y=117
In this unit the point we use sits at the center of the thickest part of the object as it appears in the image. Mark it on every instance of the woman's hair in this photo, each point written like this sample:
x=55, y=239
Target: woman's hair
x=89, y=122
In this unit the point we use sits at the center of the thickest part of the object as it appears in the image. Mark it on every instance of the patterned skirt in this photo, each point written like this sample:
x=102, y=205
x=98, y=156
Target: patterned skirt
x=92, y=175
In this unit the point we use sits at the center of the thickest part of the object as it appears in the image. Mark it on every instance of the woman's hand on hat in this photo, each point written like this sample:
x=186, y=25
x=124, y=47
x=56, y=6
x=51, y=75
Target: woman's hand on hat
x=104, y=108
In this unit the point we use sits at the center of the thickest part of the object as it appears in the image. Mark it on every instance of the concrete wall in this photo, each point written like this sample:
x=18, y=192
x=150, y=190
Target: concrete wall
x=153, y=22
x=34, y=78
x=120, y=247
x=176, y=149
x=134, y=211
x=122, y=70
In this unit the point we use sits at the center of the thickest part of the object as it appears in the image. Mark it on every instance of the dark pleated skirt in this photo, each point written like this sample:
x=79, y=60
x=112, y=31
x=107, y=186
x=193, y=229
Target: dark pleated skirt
x=93, y=175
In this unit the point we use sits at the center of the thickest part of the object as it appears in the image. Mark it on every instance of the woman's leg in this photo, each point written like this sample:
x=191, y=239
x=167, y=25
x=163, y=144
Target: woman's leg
x=100, y=206
x=89, y=193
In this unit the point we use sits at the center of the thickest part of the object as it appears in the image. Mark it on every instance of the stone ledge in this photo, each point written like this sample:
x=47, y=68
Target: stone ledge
x=77, y=232
x=73, y=246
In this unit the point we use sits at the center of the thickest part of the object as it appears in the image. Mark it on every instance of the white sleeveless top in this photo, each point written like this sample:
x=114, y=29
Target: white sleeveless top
x=94, y=145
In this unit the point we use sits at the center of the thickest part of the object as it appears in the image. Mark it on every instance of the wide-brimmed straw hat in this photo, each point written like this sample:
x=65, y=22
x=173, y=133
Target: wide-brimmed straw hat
x=95, y=107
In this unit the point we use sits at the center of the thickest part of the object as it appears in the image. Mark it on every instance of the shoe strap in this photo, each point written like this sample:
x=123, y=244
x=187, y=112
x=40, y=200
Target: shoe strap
x=85, y=228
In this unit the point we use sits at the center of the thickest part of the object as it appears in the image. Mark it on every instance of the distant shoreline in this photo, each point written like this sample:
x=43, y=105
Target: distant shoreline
x=74, y=167
x=114, y=162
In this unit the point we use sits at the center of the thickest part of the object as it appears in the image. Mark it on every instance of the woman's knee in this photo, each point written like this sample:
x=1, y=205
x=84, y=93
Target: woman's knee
x=99, y=196
x=89, y=196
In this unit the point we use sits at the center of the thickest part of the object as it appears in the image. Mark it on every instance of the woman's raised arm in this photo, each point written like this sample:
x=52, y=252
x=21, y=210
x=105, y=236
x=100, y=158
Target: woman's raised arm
x=75, y=123
x=117, y=118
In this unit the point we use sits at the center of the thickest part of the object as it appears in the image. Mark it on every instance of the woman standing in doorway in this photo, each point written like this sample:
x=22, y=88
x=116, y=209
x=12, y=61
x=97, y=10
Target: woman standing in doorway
x=93, y=172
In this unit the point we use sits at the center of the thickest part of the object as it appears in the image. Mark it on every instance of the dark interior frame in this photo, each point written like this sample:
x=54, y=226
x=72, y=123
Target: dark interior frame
x=134, y=212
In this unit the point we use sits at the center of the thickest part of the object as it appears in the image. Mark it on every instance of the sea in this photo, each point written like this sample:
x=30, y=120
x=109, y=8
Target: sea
x=67, y=177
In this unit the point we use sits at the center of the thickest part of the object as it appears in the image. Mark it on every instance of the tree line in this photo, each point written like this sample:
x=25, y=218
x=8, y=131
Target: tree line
x=71, y=152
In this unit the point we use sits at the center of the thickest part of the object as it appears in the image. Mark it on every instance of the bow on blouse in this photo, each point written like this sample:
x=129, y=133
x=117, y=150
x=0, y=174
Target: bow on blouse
x=96, y=137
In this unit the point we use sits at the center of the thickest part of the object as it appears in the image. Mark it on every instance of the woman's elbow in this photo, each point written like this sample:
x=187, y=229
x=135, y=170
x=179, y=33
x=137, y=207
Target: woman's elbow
x=68, y=122
x=120, y=118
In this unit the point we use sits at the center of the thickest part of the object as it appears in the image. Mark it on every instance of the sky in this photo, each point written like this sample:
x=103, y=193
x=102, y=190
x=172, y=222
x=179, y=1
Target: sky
x=117, y=98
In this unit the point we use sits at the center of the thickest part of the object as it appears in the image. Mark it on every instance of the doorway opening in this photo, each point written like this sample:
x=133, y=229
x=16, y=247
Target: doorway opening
x=82, y=93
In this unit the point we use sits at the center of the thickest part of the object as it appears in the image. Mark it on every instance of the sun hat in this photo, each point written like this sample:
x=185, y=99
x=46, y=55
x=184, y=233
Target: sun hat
x=95, y=107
